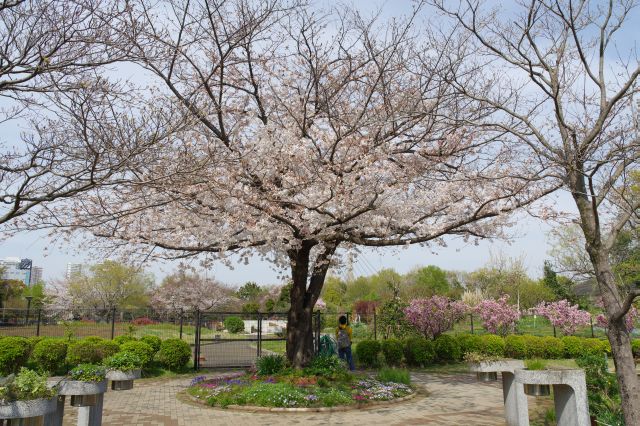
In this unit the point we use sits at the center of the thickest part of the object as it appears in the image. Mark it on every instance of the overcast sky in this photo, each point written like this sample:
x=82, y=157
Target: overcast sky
x=529, y=242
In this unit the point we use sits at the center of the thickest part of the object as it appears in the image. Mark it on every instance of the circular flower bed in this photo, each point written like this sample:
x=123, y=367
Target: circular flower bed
x=296, y=390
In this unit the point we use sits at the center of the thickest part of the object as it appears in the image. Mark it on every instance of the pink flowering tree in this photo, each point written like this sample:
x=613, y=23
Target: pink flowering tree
x=629, y=319
x=435, y=315
x=563, y=315
x=498, y=317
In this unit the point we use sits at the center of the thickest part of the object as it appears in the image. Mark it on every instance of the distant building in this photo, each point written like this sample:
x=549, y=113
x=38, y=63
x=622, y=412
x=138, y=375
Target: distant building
x=36, y=274
x=75, y=269
x=12, y=271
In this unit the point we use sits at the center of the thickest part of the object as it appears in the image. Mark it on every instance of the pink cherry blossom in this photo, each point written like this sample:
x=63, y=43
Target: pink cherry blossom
x=498, y=317
x=563, y=315
x=435, y=315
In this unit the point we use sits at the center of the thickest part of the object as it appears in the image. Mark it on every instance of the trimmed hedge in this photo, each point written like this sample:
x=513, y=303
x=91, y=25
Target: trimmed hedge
x=469, y=343
x=367, y=352
x=535, y=346
x=419, y=352
x=142, y=350
x=492, y=345
x=14, y=352
x=515, y=346
x=447, y=349
x=174, y=354
x=392, y=350
x=49, y=355
x=90, y=351
x=553, y=347
x=124, y=339
x=153, y=341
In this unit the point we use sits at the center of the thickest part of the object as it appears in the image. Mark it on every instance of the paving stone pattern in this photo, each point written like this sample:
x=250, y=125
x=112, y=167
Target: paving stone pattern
x=452, y=400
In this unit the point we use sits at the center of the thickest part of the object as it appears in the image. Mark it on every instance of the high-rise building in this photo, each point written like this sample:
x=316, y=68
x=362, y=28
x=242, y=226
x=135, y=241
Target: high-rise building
x=74, y=269
x=11, y=270
x=36, y=274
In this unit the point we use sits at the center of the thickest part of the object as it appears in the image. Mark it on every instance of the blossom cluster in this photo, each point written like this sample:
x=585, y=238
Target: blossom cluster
x=498, y=317
x=377, y=391
x=629, y=319
x=434, y=315
x=563, y=315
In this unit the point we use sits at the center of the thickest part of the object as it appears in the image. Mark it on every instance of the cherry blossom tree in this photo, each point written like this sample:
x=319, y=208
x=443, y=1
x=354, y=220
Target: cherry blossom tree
x=185, y=291
x=498, y=317
x=558, y=79
x=563, y=315
x=434, y=315
x=307, y=141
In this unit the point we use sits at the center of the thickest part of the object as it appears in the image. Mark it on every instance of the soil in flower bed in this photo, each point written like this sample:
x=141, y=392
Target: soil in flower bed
x=295, y=390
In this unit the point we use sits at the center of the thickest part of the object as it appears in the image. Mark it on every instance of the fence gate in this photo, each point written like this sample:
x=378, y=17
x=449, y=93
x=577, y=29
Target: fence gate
x=235, y=339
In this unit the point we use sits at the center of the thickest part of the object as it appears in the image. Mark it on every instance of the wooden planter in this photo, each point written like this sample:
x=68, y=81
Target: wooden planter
x=123, y=380
x=31, y=412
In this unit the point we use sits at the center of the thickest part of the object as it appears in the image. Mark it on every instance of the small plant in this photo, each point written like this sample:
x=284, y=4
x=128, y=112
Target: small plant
x=326, y=366
x=124, y=339
x=131, y=329
x=394, y=375
x=24, y=386
x=234, y=325
x=270, y=364
x=88, y=373
x=535, y=364
x=174, y=354
x=123, y=361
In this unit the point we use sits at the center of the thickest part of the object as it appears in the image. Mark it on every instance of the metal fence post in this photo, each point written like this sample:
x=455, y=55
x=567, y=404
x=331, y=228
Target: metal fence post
x=259, y=345
x=554, y=331
x=591, y=321
x=38, y=323
x=181, y=321
x=113, y=323
x=196, y=351
x=318, y=330
x=375, y=325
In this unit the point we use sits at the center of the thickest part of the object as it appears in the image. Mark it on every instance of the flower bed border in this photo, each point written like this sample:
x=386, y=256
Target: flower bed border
x=261, y=409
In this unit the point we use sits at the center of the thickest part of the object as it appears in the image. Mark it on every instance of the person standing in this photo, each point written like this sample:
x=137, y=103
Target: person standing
x=343, y=337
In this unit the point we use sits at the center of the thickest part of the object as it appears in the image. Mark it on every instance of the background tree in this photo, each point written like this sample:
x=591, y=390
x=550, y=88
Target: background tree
x=249, y=291
x=189, y=291
x=555, y=81
x=425, y=282
x=561, y=286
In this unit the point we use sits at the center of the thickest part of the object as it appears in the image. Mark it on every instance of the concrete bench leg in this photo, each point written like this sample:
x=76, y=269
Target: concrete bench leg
x=516, y=408
x=55, y=418
x=572, y=408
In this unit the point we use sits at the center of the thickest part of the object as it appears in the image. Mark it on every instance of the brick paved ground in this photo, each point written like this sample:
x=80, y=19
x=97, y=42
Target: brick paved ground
x=452, y=400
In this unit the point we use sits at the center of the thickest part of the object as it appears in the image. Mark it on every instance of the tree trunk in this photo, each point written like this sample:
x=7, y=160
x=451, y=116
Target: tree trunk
x=305, y=291
x=619, y=340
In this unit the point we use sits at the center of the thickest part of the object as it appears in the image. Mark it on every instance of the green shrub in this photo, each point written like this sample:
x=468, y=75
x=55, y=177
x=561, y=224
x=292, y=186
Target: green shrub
x=174, y=354
x=595, y=346
x=394, y=375
x=32, y=342
x=94, y=339
x=124, y=339
x=14, y=352
x=469, y=343
x=572, y=346
x=515, y=346
x=635, y=347
x=419, y=352
x=447, y=349
x=492, y=345
x=153, y=341
x=88, y=373
x=49, y=355
x=602, y=389
x=367, y=352
x=270, y=364
x=392, y=350
x=123, y=361
x=360, y=330
x=325, y=366
x=535, y=346
x=553, y=347
x=234, y=325
x=90, y=350
x=142, y=350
